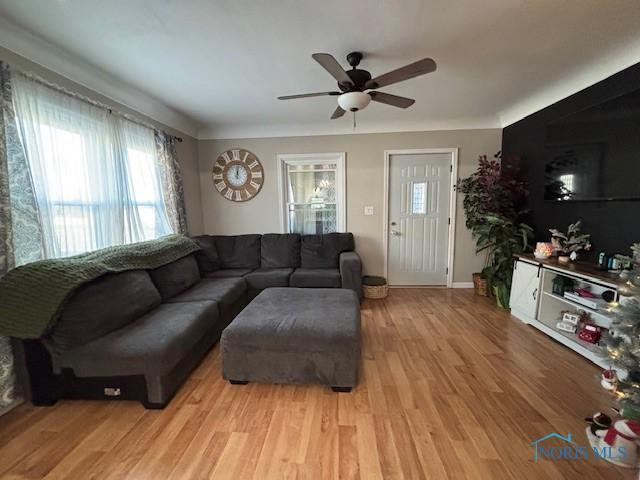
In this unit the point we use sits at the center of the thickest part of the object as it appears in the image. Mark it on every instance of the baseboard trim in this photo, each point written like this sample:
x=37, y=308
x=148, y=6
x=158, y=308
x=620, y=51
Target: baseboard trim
x=462, y=285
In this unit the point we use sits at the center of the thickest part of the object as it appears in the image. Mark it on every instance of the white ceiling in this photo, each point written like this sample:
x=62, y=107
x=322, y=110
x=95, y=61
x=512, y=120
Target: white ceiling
x=219, y=65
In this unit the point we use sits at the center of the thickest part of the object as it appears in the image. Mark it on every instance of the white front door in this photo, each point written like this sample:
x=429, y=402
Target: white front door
x=418, y=233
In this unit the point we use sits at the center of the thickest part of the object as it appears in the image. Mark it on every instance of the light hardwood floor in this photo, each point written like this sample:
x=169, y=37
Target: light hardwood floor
x=451, y=387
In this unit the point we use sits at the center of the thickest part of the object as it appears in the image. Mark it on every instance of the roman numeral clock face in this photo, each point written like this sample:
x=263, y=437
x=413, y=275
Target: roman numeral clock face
x=237, y=174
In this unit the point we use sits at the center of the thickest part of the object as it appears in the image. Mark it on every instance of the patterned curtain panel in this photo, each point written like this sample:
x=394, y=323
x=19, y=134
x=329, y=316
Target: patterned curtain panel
x=20, y=233
x=171, y=181
x=7, y=376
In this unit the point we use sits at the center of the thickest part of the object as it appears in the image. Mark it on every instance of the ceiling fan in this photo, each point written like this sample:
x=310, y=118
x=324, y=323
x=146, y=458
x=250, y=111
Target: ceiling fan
x=353, y=83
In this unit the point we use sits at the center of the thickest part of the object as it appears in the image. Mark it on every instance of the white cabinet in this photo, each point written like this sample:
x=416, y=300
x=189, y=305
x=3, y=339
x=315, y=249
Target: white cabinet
x=534, y=301
x=525, y=289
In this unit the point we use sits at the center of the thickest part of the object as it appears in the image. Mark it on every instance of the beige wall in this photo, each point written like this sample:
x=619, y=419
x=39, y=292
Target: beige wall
x=365, y=172
x=187, y=150
x=208, y=212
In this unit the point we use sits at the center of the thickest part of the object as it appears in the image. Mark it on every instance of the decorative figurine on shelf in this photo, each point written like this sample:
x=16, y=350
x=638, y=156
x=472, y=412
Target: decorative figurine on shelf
x=619, y=440
x=590, y=333
x=543, y=250
x=599, y=421
x=571, y=318
x=567, y=245
x=569, y=322
x=585, y=317
x=609, y=380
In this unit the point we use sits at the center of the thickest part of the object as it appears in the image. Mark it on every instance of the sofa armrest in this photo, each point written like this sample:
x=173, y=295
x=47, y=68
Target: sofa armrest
x=351, y=272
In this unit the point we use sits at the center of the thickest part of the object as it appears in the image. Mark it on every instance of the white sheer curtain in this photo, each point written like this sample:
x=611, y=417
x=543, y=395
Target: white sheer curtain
x=95, y=175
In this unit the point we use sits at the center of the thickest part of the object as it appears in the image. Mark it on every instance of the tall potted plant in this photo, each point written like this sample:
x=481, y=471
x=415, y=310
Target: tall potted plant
x=501, y=238
x=491, y=196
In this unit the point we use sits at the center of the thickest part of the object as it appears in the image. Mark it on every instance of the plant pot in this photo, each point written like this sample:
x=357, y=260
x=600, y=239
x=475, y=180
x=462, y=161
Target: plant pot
x=564, y=259
x=480, y=285
x=501, y=296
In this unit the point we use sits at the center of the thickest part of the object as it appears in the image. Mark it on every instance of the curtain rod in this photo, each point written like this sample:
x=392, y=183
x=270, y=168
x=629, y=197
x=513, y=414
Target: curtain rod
x=95, y=103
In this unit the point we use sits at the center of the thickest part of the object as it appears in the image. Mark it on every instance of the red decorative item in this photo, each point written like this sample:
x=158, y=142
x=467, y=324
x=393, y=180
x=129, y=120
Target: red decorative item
x=590, y=333
x=583, y=292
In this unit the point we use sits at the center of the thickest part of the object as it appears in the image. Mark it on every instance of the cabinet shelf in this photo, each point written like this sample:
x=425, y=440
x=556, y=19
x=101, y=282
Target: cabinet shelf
x=593, y=348
x=594, y=353
x=606, y=319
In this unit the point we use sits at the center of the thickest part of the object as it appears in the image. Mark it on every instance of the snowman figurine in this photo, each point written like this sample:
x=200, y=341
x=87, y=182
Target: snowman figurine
x=620, y=442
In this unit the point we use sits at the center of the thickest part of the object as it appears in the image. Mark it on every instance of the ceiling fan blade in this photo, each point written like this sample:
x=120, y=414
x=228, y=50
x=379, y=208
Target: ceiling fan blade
x=332, y=66
x=337, y=113
x=394, y=100
x=421, y=67
x=305, y=95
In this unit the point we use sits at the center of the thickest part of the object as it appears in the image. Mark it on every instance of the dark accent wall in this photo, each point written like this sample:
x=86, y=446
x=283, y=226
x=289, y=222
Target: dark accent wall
x=614, y=225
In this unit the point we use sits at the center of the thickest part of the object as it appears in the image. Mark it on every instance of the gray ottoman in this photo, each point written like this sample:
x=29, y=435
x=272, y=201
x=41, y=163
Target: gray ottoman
x=295, y=335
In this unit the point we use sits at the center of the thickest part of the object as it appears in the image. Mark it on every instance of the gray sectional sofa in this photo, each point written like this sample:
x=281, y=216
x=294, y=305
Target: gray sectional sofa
x=138, y=334
x=283, y=260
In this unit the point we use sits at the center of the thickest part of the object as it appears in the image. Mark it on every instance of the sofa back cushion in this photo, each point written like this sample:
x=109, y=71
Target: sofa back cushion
x=104, y=305
x=207, y=257
x=323, y=251
x=176, y=277
x=238, y=251
x=280, y=250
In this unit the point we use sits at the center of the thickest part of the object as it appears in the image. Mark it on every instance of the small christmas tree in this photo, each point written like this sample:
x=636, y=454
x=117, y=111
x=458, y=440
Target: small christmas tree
x=622, y=437
x=623, y=345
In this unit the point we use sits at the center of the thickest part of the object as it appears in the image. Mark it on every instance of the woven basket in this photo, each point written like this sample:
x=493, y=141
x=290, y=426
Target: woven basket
x=374, y=287
x=480, y=285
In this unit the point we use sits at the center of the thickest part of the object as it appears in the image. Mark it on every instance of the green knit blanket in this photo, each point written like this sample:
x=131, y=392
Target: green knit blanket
x=32, y=295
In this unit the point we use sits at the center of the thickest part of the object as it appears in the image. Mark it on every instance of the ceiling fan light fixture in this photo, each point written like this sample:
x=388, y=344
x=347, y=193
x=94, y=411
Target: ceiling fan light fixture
x=353, y=101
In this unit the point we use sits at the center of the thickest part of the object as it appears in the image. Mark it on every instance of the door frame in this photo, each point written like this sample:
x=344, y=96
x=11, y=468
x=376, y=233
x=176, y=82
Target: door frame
x=452, y=204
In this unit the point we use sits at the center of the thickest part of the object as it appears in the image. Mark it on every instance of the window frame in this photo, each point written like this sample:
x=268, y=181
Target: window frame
x=297, y=159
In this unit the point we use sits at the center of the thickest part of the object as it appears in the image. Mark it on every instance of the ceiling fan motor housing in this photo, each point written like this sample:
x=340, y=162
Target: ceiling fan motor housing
x=359, y=79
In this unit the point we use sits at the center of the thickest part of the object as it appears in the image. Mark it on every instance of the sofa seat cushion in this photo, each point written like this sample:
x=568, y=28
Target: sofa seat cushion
x=268, y=277
x=238, y=251
x=280, y=250
x=176, y=277
x=323, y=251
x=229, y=272
x=316, y=278
x=104, y=305
x=225, y=291
x=152, y=345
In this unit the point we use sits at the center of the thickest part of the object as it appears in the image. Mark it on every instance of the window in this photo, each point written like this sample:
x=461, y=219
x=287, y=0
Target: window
x=96, y=176
x=418, y=199
x=312, y=193
x=568, y=186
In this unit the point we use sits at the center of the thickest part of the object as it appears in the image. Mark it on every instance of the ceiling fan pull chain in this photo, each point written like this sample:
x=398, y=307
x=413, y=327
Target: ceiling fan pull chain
x=354, y=121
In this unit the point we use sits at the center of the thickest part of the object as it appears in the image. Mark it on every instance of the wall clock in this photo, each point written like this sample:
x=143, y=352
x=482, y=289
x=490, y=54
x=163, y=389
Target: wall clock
x=237, y=174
